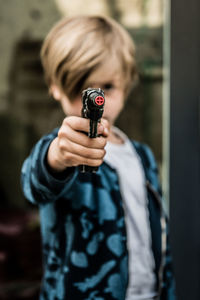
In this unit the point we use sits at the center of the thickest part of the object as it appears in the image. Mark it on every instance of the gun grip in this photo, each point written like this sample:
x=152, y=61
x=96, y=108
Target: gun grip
x=88, y=169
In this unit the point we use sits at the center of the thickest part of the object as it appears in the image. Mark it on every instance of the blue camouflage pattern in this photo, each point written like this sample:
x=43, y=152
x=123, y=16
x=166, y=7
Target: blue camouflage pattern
x=84, y=241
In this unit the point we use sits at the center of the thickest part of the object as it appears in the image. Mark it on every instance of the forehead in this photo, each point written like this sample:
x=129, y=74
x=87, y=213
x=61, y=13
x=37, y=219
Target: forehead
x=109, y=71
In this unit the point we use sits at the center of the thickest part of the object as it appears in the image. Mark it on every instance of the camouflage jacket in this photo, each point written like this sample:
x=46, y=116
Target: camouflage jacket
x=83, y=228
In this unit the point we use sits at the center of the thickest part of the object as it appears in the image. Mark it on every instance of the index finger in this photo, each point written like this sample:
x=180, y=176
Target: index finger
x=77, y=123
x=82, y=124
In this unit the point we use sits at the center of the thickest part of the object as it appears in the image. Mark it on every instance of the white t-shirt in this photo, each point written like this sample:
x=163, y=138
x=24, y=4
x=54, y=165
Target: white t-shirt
x=125, y=160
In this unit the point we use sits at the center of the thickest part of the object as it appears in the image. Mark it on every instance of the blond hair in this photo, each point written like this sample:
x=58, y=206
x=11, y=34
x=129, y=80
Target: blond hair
x=77, y=46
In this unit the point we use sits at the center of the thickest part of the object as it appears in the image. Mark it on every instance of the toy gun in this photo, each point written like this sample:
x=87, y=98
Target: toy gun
x=93, y=106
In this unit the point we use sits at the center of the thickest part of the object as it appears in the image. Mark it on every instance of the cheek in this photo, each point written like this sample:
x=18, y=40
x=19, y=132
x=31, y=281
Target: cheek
x=114, y=103
x=77, y=108
x=72, y=108
x=113, y=107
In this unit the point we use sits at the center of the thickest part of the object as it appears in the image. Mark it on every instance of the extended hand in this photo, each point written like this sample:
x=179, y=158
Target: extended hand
x=72, y=147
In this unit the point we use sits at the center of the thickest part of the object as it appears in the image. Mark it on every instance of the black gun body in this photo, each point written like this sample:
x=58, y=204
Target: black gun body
x=93, y=107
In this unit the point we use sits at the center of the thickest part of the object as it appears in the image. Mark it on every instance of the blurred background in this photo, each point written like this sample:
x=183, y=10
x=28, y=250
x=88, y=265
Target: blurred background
x=27, y=113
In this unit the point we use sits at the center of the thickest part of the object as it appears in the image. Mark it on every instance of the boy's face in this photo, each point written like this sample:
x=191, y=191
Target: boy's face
x=111, y=83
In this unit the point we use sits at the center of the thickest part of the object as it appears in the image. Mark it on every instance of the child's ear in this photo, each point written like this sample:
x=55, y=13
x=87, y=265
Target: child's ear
x=55, y=92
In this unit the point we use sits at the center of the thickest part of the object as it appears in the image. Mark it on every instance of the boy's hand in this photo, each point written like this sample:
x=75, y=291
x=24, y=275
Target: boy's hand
x=72, y=147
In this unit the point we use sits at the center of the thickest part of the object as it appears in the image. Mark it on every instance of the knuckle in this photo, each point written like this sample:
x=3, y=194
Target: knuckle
x=101, y=154
x=60, y=132
x=89, y=153
x=95, y=154
x=63, y=132
x=94, y=162
x=105, y=122
x=88, y=162
x=61, y=144
x=104, y=153
x=82, y=121
x=71, y=159
x=71, y=121
x=68, y=120
x=103, y=142
x=68, y=157
x=99, y=162
x=77, y=123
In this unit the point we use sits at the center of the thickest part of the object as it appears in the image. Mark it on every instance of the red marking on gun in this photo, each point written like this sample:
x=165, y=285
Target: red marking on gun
x=99, y=100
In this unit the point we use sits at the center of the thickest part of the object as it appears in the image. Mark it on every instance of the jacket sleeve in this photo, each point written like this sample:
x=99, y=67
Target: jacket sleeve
x=38, y=184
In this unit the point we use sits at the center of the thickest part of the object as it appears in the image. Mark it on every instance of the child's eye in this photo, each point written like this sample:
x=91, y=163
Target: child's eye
x=107, y=86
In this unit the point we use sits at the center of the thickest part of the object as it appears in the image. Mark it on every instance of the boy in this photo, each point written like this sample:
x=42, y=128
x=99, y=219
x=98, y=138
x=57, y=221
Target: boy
x=104, y=234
